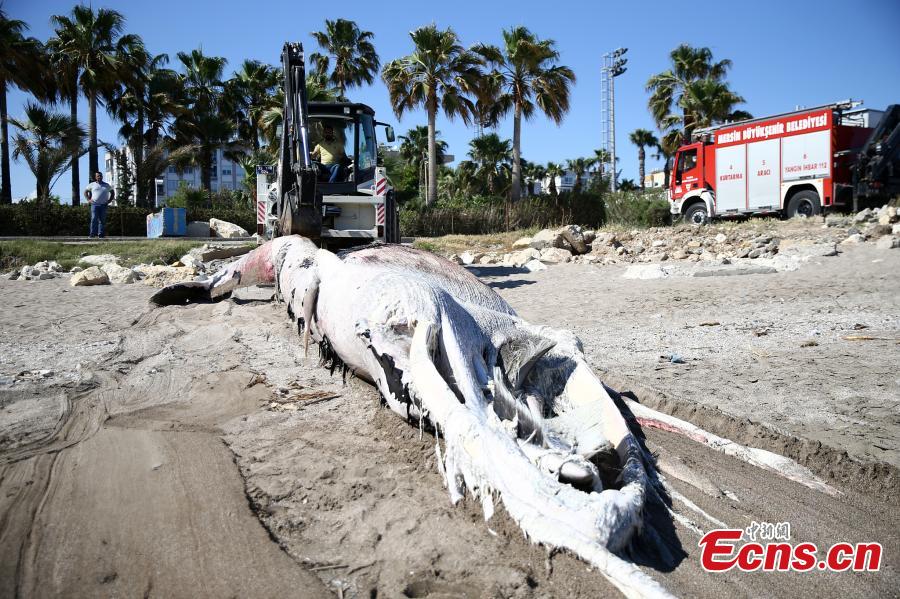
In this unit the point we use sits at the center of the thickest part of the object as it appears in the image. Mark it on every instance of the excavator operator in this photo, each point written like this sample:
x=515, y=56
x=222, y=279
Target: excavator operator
x=329, y=152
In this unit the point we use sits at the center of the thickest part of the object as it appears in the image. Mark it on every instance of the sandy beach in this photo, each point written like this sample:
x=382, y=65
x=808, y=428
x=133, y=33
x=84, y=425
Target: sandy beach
x=196, y=451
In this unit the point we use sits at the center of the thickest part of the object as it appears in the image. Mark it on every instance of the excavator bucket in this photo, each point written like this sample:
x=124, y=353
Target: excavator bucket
x=301, y=212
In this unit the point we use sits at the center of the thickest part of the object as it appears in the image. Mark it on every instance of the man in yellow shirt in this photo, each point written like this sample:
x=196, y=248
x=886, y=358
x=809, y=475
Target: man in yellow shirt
x=329, y=152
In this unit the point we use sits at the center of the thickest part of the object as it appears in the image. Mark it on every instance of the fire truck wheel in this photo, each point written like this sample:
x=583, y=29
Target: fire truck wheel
x=696, y=214
x=805, y=203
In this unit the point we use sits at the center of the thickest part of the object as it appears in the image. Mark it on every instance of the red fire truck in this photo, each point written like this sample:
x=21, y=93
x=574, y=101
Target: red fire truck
x=796, y=163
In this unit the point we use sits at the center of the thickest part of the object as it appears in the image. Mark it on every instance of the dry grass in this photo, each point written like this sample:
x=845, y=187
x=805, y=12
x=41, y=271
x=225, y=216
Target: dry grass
x=457, y=244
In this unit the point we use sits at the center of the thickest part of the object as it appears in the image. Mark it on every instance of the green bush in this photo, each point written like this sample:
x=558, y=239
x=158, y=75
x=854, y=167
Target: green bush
x=197, y=199
x=51, y=220
x=187, y=197
x=637, y=208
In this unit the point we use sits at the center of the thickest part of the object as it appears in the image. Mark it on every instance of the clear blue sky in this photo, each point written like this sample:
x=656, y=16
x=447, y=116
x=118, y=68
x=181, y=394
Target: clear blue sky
x=785, y=53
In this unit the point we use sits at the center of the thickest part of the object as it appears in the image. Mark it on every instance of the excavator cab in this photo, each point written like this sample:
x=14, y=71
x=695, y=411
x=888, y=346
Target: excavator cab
x=343, y=146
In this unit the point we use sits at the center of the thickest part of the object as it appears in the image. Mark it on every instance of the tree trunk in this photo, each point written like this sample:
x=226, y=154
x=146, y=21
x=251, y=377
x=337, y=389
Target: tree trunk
x=6, y=186
x=93, y=158
x=42, y=187
x=206, y=171
x=73, y=164
x=151, y=193
x=432, y=155
x=641, y=157
x=516, y=190
x=138, y=150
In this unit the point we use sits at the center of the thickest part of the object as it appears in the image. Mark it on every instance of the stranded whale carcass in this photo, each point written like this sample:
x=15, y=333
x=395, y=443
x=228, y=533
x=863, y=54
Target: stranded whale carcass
x=522, y=416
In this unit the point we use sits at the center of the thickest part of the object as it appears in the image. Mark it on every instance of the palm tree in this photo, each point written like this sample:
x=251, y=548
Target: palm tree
x=695, y=87
x=531, y=173
x=199, y=137
x=20, y=59
x=203, y=127
x=439, y=73
x=46, y=141
x=354, y=56
x=270, y=117
x=665, y=149
x=642, y=138
x=92, y=43
x=247, y=94
x=579, y=166
x=460, y=182
x=143, y=101
x=529, y=77
x=553, y=171
x=488, y=108
x=202, y=78
x=66, y=82
x=601, y=157
x=710, y=102
x=493, y=156
x=628, y=185
x=414, y=149
x=249, y=161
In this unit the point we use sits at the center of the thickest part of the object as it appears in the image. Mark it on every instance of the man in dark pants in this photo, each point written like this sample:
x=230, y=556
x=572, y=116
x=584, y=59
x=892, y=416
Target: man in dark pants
x=99, y=194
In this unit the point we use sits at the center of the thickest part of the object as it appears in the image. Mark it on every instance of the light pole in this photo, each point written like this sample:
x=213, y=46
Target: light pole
x=613, y=66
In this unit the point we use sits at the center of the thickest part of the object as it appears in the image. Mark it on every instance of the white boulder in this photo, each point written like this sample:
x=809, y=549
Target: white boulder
x=191, y=261
x=120, y=275
x=546, y=238
x=534, y=266
x=226, y=229
x=555, y=255
x=522, y=257
x=469, y=258
x=89, y=276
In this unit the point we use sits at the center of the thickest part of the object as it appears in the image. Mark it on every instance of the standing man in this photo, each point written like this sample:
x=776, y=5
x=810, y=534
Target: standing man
x=99, y=194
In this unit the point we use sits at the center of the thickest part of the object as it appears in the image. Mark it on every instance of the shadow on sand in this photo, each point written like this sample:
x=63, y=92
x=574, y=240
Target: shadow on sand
x=658, y=546
x=487, y=273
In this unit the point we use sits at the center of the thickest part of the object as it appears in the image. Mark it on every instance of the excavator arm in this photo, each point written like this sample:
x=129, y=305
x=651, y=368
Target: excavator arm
x=299, y=202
